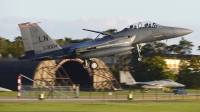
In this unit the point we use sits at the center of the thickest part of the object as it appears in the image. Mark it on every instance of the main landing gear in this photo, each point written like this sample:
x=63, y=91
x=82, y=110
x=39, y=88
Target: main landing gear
x=90, y=63
x=138, y=48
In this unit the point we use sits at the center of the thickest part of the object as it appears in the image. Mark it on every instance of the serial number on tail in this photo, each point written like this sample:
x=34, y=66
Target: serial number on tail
x=47, y=47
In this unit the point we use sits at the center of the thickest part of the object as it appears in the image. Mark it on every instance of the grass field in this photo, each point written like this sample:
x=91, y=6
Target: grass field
x=102, y=107
x=189, y=103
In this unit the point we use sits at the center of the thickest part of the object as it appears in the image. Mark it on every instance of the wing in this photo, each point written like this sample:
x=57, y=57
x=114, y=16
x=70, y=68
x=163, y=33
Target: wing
x=93, y=44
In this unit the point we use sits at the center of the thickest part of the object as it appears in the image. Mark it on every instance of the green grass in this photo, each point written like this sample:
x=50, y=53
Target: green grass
x=103, y=107
x=8, y=94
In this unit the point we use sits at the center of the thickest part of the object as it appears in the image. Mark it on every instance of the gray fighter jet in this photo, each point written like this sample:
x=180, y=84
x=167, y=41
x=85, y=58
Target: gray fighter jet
x=127, y=79
x=40, y=46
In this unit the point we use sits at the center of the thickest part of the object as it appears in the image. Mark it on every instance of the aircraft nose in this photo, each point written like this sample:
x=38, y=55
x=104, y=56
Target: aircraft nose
x=181, y=31
x=181, y=85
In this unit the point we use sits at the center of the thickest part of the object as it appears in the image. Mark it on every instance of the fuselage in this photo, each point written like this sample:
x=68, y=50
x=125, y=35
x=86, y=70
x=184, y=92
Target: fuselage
x=163, y=84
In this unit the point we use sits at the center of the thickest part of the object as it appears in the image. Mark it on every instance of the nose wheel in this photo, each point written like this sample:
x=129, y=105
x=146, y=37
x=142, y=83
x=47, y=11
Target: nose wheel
x=140, y=58
x=138, y=48
x=90, y=63
x=93, y=65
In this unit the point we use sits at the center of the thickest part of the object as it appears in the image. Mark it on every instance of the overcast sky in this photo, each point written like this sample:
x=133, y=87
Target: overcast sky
x=67, y=18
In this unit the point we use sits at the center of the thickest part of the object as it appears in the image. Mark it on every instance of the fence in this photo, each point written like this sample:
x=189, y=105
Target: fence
x=137, y=94
x=27, y=91
x=64, y=92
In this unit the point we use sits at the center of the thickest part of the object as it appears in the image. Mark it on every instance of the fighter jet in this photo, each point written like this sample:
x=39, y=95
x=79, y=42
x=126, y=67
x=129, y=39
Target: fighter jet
x=40, y=46
x=127, y=79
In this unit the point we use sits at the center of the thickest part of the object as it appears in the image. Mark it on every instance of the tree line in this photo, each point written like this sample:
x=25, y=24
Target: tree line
x=15, y=48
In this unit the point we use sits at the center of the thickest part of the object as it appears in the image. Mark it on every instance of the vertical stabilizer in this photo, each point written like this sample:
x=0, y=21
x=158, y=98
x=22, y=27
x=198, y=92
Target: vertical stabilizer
x=26, y=38
x=41, y=41
x=126, y=77
x=122, y=77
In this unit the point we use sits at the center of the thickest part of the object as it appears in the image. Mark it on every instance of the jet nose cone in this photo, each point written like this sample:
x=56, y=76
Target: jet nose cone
x=182, y=31
x=181, y=85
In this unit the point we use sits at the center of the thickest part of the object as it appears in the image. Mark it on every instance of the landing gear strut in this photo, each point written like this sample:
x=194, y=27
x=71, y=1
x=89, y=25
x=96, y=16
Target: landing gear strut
x=138, y=48
x=90, y=63
x=85, y=64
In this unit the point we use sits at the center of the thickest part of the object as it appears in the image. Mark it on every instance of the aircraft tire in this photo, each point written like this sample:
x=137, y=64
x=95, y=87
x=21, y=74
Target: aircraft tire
x=93, y=65
x=140, y=58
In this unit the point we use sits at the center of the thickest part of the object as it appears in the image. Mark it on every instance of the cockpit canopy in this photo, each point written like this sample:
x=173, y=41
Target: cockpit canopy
x=145, y=24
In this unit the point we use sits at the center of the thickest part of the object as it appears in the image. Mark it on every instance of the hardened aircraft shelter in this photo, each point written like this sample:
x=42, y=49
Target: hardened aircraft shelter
x=58, y=73
x=68, y=72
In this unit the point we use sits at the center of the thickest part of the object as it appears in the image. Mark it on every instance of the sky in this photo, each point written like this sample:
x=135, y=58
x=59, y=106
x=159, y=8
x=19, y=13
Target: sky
x=67, y=18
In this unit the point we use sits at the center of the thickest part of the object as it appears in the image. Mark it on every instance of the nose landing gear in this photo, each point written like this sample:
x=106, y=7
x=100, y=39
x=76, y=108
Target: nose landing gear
x=138, y=48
